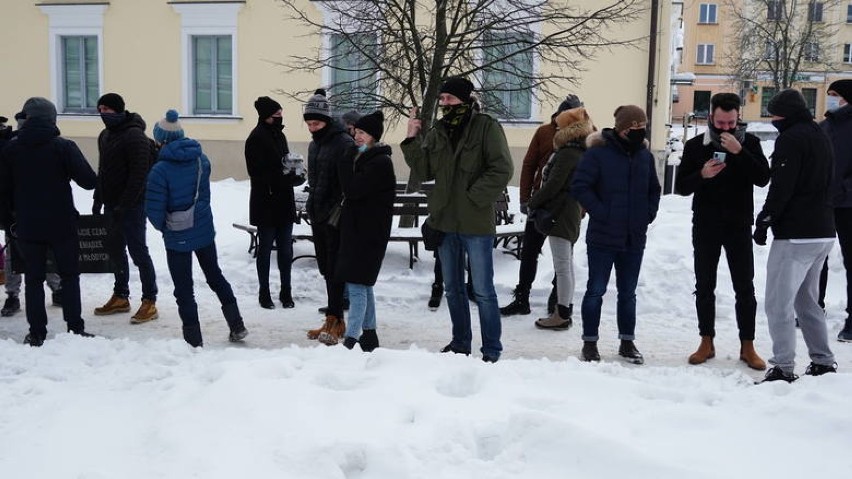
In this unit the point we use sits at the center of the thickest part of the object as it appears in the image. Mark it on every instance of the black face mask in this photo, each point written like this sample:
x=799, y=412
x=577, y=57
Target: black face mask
x=278, y=122
x=112, y=119
x=635, y=137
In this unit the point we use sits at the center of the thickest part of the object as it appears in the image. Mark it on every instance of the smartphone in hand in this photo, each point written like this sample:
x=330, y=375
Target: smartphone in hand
x=719, y=156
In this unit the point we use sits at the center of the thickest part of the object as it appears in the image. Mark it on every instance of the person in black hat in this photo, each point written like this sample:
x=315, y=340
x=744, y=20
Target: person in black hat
x=272, y=206
x=126, y=155
x=469, y=178
x=539, y=151
x=838, y=126
x=331, y=151
x=798, y=209
x=369, y=189
x=37, y=207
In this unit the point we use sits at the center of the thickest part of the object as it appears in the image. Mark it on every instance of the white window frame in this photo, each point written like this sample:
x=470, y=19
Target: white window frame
x=707, y=9
x=535, y=31
x=812, y=52
x=72, y=21
x=816, y=12
x=207, y=19
x=701, y=54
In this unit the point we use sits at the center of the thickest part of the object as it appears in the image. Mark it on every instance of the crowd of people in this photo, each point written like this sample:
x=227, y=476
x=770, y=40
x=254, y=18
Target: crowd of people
x=571, y=172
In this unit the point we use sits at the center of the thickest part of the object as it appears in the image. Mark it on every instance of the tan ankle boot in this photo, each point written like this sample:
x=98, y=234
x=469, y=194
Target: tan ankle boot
x=749, y=356
x=147, y=312
x=116, y=304
x=334, y=331
x=314, y=333
x=553, y=322
x=705, y=351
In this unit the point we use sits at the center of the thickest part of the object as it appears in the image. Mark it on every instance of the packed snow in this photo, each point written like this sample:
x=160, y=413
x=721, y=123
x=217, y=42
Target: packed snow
x=137, y=402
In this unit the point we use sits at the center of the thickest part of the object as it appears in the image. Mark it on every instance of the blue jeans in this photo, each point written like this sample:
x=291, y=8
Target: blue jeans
x=282, y=236
x=362, y=309
x=627, y=265
x=127, y=231
x=478, y=249
x=180, y=267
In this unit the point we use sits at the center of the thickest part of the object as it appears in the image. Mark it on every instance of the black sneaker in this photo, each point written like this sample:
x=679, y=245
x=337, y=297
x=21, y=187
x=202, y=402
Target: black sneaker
x=628, y=351
x=488, y=358
x=815, y=369
x=369, y=340
x=56, y=298
x=82, y=333
x=590, y=351
x=349, y=342
x=778, y=374
x=238, y=335
x=452, y=349
x=435, y=298
x=11, y=306
x=33, y=341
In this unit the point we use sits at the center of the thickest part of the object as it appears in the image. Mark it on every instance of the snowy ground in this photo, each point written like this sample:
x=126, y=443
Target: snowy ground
x=139, y=403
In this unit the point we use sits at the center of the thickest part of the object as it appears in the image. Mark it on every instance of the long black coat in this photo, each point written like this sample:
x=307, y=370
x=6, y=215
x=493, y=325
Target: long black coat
x=125, y=158
x=329, y=153
x=271, y=202
x=367, y=216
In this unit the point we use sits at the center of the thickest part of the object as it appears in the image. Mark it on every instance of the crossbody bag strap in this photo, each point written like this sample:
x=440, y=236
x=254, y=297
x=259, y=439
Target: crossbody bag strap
x=197, y=183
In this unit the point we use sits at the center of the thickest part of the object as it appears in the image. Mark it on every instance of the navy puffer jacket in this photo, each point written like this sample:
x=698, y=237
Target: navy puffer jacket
x=171, y=187
x=620, y=190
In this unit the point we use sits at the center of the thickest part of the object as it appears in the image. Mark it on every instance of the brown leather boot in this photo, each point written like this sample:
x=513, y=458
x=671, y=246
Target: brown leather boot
x=314, y=333
x=147, y=312
x=116, y=304
x=749, y=356
x=705, y=351
x=334, y=332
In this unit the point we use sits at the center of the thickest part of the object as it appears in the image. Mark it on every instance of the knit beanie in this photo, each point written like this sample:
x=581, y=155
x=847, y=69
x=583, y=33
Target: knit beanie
x=787, y=103
x=168, y=129
x=40, y=108
x=842, y=88
x=112, y=101
x=372, y=124
x=350, y=117
x=569, y=117
x=266, y=107
x=317, y=107
x=627, y=116
x=570, y=101
x=459, y=87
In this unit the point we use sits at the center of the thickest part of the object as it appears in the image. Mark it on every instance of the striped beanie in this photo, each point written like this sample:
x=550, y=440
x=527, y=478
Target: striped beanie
x=168, y=129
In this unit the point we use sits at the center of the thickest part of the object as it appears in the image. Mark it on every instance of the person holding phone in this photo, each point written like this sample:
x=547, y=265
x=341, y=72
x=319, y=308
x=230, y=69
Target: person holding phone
x=721, y=167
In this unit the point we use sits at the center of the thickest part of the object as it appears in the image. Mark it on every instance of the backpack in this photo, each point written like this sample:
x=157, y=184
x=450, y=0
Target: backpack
x=154, y=153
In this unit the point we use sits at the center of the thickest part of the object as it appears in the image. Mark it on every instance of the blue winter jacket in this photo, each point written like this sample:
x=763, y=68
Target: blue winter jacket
x=620, y=191
x=838, y=126
x=171, y=187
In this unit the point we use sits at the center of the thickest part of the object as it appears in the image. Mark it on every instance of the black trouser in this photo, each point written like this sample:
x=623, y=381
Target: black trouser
x=530, y=249
x=66, y=251
x=708, y=241
x=326, y=246
x=843, y=224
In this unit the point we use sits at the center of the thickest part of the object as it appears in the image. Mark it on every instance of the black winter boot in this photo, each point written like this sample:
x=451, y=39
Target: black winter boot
x=590, y=351
x=435, y=298
x=235, y=323
x=369, y=340
x=628, y=351
x=520, y=305
x=11, y=306
x=551, y=301
x=349, y=342
x=265, y=299
x=286, y=298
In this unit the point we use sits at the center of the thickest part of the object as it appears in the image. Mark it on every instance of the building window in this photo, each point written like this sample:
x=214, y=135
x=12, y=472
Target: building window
x=505, y=91
x=80, y=89
x=771, y=52
x=766, y=94
x=353, y=79
x=707, y=13
x=208, y=57
x=815, y=11
x=848, y=13
x=811, y=52
x=212, y=73
x=847, y=53
x=76, y=48
x=705, y=54
x=810, y=95
x=701, y=103
x=775, y=10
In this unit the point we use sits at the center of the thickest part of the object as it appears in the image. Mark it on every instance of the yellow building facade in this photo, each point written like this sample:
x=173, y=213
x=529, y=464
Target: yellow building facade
x=211, y=59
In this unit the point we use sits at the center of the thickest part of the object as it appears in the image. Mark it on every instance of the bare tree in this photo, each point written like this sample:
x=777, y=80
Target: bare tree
x=779, y=40
x=393, y=54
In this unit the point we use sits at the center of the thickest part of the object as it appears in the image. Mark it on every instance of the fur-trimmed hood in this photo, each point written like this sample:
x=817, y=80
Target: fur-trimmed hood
x=600, y=138
x=576, y=132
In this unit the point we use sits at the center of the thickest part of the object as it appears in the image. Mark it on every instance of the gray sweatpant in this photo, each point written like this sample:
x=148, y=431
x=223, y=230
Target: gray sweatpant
x=792, y=290
x=563, y=264
x=13, y=280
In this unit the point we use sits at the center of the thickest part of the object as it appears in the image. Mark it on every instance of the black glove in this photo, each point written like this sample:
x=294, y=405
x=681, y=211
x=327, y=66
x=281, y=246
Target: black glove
x=525, y=208
x=761, y=228
x=96, y=207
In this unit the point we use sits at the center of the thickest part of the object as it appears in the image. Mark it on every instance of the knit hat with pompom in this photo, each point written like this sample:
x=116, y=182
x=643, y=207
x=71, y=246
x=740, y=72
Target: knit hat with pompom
x=169, y=128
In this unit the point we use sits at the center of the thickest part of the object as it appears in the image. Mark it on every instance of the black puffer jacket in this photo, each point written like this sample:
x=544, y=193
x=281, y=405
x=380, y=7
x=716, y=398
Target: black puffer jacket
x=798, y=204
x=367, y=216
x=331, y=149
x=125, y=158
x=838, y=126
x=35, y=173
x=271, y=202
